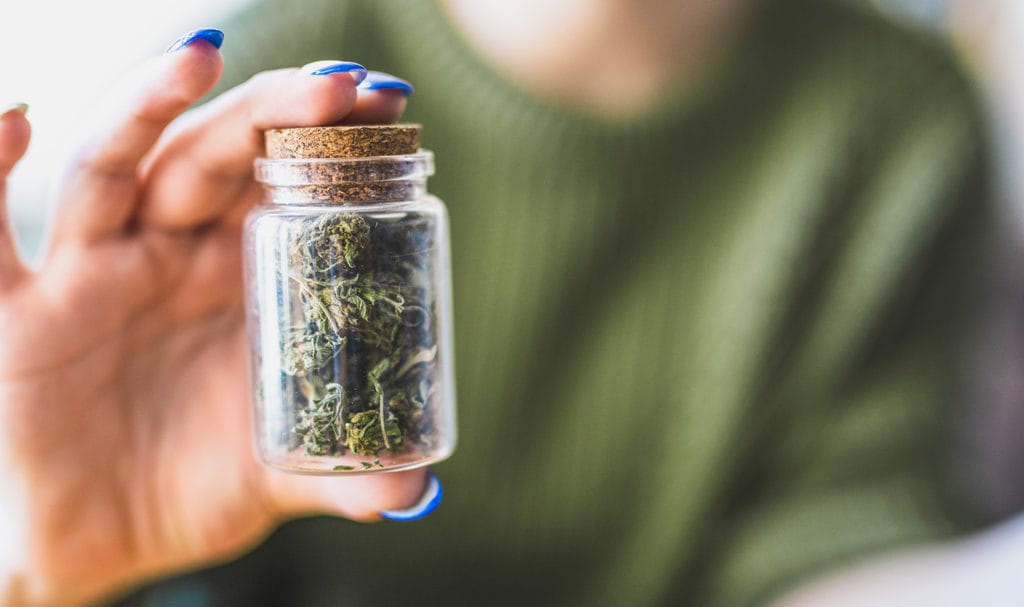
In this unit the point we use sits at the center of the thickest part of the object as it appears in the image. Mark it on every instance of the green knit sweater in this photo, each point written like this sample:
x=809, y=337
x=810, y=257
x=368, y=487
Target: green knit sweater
x=701, y=357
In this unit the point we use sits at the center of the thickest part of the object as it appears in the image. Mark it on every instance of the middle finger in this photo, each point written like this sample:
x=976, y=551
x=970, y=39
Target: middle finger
x=203, y=165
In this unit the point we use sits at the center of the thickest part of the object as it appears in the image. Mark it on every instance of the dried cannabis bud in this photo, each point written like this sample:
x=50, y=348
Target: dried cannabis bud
x=364, y=353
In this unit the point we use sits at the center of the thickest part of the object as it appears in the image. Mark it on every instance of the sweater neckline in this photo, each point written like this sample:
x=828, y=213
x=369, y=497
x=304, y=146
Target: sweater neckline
x=456, y=64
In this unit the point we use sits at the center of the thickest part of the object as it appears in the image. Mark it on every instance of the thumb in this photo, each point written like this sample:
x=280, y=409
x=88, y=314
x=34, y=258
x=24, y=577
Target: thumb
x=14, y=136
x=404, y=495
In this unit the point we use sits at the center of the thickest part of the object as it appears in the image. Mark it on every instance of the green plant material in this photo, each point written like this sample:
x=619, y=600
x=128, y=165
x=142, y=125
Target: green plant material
x=321, y=422
x=330, y=241
x=364, y=356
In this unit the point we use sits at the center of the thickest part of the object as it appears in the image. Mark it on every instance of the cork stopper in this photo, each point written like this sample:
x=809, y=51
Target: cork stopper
x=344, y=164
x=357, y=141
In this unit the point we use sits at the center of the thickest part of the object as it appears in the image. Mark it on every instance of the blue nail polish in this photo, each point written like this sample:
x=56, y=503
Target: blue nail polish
x=428, y=502
x=379, y=81
x=358, y=72
x=213, y=36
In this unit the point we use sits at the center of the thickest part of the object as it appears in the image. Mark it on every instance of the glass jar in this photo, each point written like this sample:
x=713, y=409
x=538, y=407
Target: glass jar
x=349, y=309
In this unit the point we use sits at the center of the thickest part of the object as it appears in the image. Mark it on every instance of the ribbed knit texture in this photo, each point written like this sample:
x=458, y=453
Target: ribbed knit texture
x=701, y=356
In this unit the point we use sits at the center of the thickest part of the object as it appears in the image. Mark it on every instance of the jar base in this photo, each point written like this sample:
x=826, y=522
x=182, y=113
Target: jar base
x=297, y=462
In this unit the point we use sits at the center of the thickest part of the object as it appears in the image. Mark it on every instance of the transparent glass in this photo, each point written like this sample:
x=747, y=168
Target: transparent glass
x=349, y=309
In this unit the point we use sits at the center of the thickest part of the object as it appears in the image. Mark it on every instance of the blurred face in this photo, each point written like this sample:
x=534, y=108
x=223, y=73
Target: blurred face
x=609, y=57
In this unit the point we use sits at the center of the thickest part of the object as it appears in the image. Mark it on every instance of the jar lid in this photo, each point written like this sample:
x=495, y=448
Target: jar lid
x=354, y=141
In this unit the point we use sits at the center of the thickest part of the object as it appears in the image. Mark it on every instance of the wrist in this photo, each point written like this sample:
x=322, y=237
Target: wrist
x=23, y=587
x=30, y=577
x=21, y=590
x=49, y=556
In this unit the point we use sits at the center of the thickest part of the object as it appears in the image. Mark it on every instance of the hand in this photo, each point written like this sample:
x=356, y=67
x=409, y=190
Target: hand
x=125, y=440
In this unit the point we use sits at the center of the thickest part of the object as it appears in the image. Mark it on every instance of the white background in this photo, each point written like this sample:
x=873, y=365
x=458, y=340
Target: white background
x=58, y=56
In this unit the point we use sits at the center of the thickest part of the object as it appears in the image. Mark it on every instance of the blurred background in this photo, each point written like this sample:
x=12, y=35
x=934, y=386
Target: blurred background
x=60, y=55
x=82, y=48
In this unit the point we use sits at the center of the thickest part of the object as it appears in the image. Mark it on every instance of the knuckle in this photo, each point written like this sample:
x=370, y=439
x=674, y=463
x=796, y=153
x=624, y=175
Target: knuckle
x=261, y=78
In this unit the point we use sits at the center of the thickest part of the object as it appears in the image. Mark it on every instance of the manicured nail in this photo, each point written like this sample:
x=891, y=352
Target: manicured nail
x=379, y=81
x=13, y=107
x=427, y=503
x=322, y=68
x=213, y=36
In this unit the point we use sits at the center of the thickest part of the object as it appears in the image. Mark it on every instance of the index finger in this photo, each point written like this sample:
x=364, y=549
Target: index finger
x=203, y=167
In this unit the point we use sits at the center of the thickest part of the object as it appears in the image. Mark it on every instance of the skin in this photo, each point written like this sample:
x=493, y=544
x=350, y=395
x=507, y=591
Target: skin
x=124, y=432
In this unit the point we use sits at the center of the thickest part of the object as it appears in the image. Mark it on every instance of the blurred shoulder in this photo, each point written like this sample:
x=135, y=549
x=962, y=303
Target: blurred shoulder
x=895, y=57
x=881, y=77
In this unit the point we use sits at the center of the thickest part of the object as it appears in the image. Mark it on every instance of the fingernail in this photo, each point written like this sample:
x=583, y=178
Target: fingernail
x=13, y=107
x=427, y=503
x=322, y=68
x=213, y=36
x=379, y=81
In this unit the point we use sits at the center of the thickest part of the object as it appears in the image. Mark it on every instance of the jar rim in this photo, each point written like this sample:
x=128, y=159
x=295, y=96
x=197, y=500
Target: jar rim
x=278, y=172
